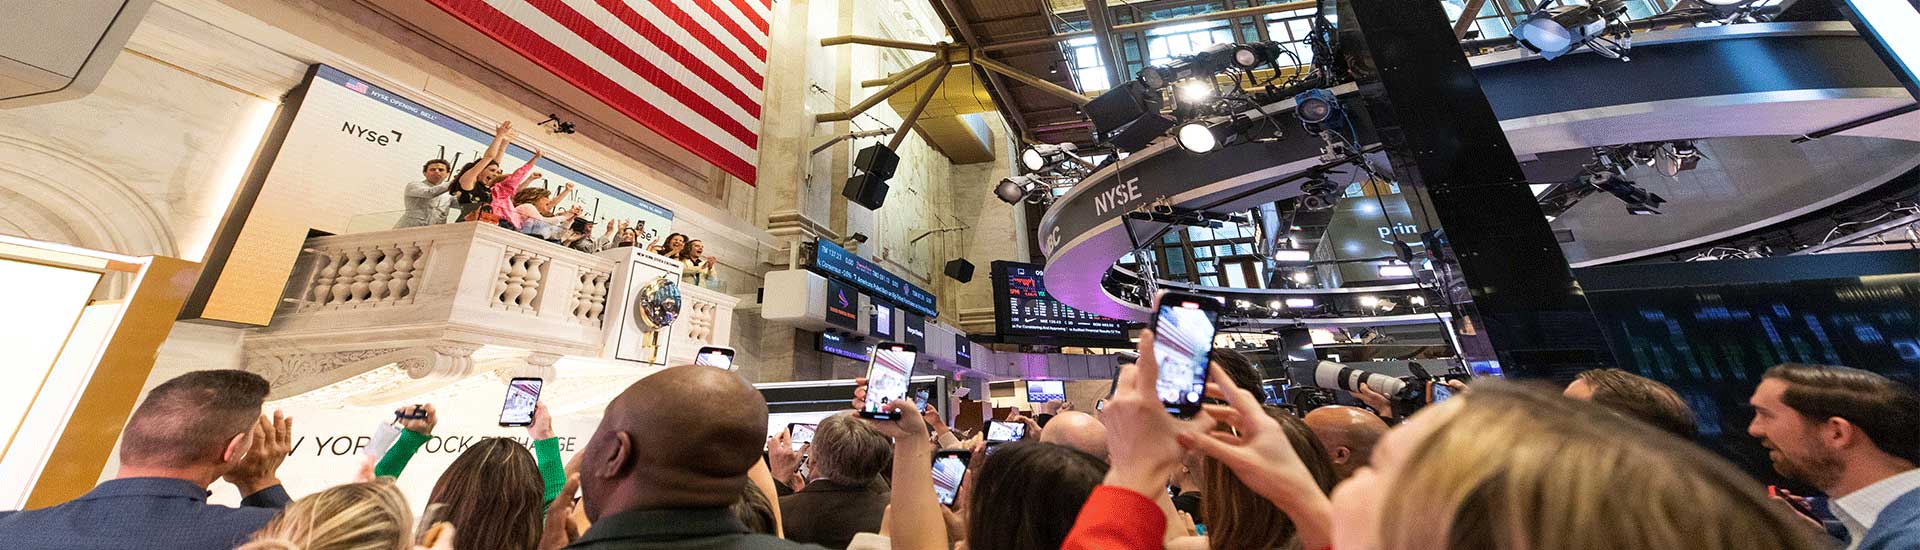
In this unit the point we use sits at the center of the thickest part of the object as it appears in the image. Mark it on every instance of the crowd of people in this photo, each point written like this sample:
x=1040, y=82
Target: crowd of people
x=483, y=193
x=680, y=459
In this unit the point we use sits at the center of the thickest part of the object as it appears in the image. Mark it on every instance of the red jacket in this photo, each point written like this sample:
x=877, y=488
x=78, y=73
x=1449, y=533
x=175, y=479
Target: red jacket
x=1117, y=519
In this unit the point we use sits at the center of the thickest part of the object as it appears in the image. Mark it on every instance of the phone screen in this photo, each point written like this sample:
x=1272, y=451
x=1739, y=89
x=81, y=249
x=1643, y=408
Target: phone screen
x=887, y=379
x=522, y=395
x=721, y=358
x=1439, y=392
x=948, y=471
x=1183, y=344
x=921, y=396
x=1006, y=431
x=802, y=434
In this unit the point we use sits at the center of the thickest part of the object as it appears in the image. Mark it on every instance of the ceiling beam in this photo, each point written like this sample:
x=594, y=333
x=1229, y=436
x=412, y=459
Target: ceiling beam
x=1147, y=25
x=1003, y=99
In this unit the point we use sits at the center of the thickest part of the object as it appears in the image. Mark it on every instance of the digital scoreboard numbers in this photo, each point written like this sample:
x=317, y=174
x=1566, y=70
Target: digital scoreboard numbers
x=1025, y=308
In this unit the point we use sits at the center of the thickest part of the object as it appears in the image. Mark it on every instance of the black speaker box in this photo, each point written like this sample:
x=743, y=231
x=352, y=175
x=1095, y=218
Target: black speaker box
x=877, y=159
x=869, y=190
x=960, y=270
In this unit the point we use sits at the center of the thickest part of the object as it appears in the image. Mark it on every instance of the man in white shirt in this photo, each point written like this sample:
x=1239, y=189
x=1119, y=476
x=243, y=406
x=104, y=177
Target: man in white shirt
x=427, y=200
x=1852, y=434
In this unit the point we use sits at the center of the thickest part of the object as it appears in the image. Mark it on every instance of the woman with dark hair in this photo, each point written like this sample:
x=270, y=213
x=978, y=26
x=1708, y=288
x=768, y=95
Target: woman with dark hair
x=1238, y=517
x=671, y=247
x=1025, y=497
x=493, y=491
x=481, y=183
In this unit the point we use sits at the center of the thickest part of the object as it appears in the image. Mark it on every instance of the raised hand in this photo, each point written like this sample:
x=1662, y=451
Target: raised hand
x=272, y=441
x=542, y=426
x=859, y=393
x=1379, y=402
x=782, y=460
x=1140, y=433
x=907, y=426
x=413, y=423
x=556, y=534
x=1259, y=453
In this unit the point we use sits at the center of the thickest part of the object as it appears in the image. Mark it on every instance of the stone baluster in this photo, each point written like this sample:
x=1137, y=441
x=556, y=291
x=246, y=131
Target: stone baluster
x=383, y=273
x=343, y=280
x=322, y=290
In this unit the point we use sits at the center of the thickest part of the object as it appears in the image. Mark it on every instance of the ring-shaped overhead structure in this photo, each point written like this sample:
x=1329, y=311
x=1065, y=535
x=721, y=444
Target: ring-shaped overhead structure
x=1763, y=79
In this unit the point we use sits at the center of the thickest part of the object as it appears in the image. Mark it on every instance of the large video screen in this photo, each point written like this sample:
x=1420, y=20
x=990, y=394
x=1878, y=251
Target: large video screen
x=1023, y=308
x=1713, y=340
x=845, y=347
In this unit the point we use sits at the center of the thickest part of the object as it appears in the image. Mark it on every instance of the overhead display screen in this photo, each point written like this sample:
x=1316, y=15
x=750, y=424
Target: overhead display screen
x=1024, y=308
x=845, y=347
x=831, y=260
x=882, y=320
x=914, y=329
x=841, y=301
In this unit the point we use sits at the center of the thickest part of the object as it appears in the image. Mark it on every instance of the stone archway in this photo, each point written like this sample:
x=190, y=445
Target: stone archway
x=56, y=196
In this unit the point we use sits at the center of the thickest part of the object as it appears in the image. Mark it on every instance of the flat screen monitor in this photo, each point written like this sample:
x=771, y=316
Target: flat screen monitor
x=1041, y=391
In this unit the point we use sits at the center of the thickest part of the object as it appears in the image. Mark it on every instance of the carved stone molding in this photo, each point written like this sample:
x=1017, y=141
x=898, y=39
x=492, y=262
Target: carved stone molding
x=359, y=376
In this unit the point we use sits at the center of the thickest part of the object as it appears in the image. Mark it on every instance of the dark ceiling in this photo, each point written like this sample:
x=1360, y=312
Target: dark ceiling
x=1041, y=115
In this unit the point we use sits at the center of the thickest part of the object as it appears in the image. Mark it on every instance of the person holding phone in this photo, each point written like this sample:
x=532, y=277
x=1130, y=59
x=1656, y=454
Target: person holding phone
x=420, y=420
x=844, y=494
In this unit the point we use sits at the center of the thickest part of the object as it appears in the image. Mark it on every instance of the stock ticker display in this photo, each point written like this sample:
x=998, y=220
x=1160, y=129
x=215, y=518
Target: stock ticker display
x=1713, y=343
x=1025, y=309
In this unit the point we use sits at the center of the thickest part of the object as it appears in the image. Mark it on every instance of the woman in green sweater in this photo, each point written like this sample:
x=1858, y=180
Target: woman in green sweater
x=495, y=485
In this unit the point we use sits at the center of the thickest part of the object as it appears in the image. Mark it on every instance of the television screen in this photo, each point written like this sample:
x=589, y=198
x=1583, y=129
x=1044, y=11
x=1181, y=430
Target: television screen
x=1041, y=391
x=882, y=325
x=841, y=303
x=1023, y=308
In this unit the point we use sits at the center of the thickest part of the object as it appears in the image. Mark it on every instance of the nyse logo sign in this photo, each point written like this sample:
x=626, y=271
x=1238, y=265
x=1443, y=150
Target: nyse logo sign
x=1112, y=198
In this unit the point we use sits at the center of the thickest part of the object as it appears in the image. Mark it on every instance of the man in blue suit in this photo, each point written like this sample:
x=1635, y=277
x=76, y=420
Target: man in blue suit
x=191, y=430
x=1853, y=434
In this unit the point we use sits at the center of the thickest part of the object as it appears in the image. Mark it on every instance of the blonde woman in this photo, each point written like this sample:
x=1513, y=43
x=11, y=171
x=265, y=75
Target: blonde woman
x=356, y=516
x=1502, y=468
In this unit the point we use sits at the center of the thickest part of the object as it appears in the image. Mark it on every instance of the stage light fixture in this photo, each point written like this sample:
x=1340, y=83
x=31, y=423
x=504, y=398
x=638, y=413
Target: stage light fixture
x=1197, y=137
x=1293, y=256
x=1315, y=106
x=1195, y=90
x=1273, y=304
x=1417, y=301
x=1369, y=301
x=1396, y=271
x=1251, y=56
x=1300, y=303
x=1387, y=305
x=1640, y=202
x=1552, y=32
x=1674, y=157
x=1302, y=277
x=1041, y=156
x=1014, y=189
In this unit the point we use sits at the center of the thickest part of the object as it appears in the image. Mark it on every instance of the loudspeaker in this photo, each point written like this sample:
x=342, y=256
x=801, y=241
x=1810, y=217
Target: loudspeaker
x=878, y=160
x=960, y=270
x=869, y=190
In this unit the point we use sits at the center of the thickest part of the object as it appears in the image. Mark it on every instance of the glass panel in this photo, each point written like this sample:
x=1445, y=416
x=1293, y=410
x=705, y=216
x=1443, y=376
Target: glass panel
x=1278, y=31
x=1493, y=27
x=1300, y=28
x=1172, y=237
x=1210, y=280
x=1639, y=9
x=1156, y=51
x=1260, y=273
x=1487, y=10
x=1236, y=275
x=1129, y=259
x=1203, y=252
x=1223, y=250
x=1205, y=266
x=1083, y=58
x=1179, y=45
x=1176, y=262
x=1092, y=79
x=1246, y=230
x=1222, y=35
x=1199, y=234
x=1243, y=249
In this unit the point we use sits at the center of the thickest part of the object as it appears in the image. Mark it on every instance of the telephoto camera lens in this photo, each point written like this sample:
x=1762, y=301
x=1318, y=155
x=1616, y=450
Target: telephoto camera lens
x=1334, y=375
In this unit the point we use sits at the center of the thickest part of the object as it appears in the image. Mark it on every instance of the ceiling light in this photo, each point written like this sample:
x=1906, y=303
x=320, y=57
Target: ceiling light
x=1197, y=137
x=1273, y=304
x=1417, y=301
x=1302, y=277
x=1369, y=301
x=1042, y=156
x=1300, y=303
x=1033, y=160
x=1195, y=90
x=1386, y=305
x=1293, y=256
x=1250, y=56
x=1396, y=271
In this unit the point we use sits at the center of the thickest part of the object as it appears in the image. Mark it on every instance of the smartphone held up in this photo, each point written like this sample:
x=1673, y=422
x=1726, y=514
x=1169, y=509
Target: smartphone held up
x=523, y=394
x=1183, y=330
x=887, y=376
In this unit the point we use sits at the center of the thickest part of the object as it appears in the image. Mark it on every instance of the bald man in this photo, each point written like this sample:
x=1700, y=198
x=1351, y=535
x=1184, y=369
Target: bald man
x=1079, y=431
x=670, y=456
x=1349, y=434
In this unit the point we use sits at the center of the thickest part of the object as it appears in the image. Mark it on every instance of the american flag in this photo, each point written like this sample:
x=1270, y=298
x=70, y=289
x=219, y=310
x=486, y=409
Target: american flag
x=691, y=70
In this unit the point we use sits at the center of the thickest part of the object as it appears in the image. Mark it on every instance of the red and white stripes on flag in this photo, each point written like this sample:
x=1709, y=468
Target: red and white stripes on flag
x=691, y=70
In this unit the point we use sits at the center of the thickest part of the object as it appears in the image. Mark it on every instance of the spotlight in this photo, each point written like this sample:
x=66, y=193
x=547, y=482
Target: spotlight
x=1640, y=202
x=1249, y=56
x=1396, y=271
x=1675, y=157
x=1315, y=106
x=1300, y=303
x=1273, y=304
x=1417, y=301
x=1196, y=137
x=1041, y=156
x=1553, y=32
x=1292, y=256
x=1014, y=189
x=1195, y=90
x=1386, y=305
x=1302, y=277
x=1369, y=301
x=1201, y=64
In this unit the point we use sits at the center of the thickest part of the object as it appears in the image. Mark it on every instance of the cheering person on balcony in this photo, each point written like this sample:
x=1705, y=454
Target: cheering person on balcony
x=483, y=191
x=531, y=205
